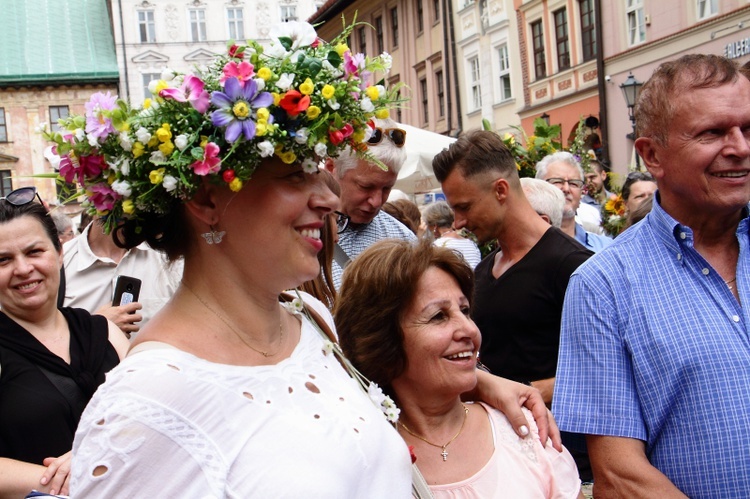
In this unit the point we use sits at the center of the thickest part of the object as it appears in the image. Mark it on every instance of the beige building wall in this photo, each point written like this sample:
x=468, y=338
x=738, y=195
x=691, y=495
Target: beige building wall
x=489, y=69
x=565, y=92
x=420, y=60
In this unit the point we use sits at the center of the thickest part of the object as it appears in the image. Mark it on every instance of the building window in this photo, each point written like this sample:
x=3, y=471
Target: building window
x=6, y=185
x=379, y=34
x=588, y=29
x=236, y=24
x=55, y=114
x=147, y=78
x=504, y=66
x=537, y=36
x=288, y=13
x=425, y=104
x=3, y=126
x=707, y=8
x=436, y=10
x=561, y=38
x=394, y=26
x=146, y=26
x=476, y=86
x=636, y=22
x=198, y=25
x=362, y=35
x=440, y=93
x=420, y=17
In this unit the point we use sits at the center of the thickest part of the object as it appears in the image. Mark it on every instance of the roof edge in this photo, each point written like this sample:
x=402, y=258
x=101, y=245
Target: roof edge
x=328, y=11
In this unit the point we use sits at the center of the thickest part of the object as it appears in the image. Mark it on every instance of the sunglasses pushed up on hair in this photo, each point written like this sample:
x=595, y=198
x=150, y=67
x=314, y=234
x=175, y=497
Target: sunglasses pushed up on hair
x=22, y=196
x=396, y=135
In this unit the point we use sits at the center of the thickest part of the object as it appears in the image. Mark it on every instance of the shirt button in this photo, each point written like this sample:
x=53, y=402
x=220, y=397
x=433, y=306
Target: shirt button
x=683, y=235
x=736, y=318
x=679, y=256
x=705, y=271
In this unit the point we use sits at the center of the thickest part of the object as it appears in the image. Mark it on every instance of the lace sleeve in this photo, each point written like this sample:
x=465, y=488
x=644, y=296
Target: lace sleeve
x=131, y=446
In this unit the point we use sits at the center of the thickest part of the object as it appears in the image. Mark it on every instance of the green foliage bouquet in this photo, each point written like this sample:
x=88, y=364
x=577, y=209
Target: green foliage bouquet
x=539, y=145
x=300, y=99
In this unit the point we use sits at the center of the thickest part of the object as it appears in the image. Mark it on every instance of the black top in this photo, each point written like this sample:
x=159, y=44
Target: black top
x=519, y=313
x=41, y=396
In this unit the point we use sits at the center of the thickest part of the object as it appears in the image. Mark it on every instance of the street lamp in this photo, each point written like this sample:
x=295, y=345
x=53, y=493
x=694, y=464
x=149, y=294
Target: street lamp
x=545, y=117
x=630, y=89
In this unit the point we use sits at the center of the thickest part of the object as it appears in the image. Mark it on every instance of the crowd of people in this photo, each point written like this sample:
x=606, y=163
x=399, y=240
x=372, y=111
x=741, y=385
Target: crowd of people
x=298, y=335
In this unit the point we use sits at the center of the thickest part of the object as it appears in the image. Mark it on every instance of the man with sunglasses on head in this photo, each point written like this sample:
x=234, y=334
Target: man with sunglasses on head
x=365, y=187
x=562, y=170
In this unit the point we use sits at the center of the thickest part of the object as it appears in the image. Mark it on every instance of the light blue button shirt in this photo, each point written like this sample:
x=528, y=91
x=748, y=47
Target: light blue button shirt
x=655, y=347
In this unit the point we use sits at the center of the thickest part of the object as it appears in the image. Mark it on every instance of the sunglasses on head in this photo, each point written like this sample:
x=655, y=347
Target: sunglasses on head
x=397, y=136
x=22, y=196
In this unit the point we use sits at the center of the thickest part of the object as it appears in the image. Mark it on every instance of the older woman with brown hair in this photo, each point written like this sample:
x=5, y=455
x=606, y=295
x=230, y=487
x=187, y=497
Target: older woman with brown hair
x=403, y=319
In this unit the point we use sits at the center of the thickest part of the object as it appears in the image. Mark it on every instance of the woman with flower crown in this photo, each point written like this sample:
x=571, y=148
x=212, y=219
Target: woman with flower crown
x=228, y=392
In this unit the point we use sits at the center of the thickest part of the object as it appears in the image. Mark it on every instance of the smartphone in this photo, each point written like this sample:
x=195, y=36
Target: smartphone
x=127, y=290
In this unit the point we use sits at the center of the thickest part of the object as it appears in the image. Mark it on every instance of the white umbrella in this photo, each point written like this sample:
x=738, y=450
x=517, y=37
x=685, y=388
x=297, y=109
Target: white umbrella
x=416, y=174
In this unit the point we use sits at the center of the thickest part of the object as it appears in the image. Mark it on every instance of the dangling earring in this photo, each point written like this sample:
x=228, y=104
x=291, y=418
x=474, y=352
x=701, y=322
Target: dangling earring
x=213, y=237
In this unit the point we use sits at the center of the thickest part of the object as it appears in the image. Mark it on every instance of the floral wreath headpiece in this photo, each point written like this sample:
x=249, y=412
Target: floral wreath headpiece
x=300, y=99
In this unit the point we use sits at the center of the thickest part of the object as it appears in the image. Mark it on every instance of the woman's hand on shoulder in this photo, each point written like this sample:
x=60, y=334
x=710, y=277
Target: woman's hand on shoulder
x=57, y=475
x=508, y=397
x=118, y=339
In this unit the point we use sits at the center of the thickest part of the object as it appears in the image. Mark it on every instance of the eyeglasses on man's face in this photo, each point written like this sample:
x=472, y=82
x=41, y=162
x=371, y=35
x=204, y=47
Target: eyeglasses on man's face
x=574, y=183
x=22, y=196
x=396, y=135
x=342, y=221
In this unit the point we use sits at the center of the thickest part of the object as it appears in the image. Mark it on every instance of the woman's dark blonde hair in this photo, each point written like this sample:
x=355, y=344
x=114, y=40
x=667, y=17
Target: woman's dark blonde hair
x=377, y=289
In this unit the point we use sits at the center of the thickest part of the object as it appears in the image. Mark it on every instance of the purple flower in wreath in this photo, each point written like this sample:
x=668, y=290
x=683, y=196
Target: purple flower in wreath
x=234, y=108
x=98, y=121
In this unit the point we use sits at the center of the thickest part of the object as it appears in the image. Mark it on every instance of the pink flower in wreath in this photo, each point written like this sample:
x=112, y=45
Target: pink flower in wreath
x=243, y=71
x=98, y=122
x=192, y=90
x=81, y=168
x=102, y=197
x=353, y=63
x=210, y=162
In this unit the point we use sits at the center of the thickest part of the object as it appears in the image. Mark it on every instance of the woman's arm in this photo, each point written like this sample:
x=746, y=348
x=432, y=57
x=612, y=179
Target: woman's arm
x=118, y=339
x=18, y=478
x=508, y=397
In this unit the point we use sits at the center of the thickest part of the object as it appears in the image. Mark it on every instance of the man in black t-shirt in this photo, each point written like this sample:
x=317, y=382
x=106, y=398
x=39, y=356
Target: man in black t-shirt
x=520, y=287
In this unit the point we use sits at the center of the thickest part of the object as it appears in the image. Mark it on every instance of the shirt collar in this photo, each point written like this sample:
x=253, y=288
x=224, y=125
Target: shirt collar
x=581, y=235
x=674, y=234
x=87, y=258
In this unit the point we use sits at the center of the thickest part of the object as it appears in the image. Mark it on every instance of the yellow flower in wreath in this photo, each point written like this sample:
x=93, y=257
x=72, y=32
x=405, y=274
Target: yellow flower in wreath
x=156, y=176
